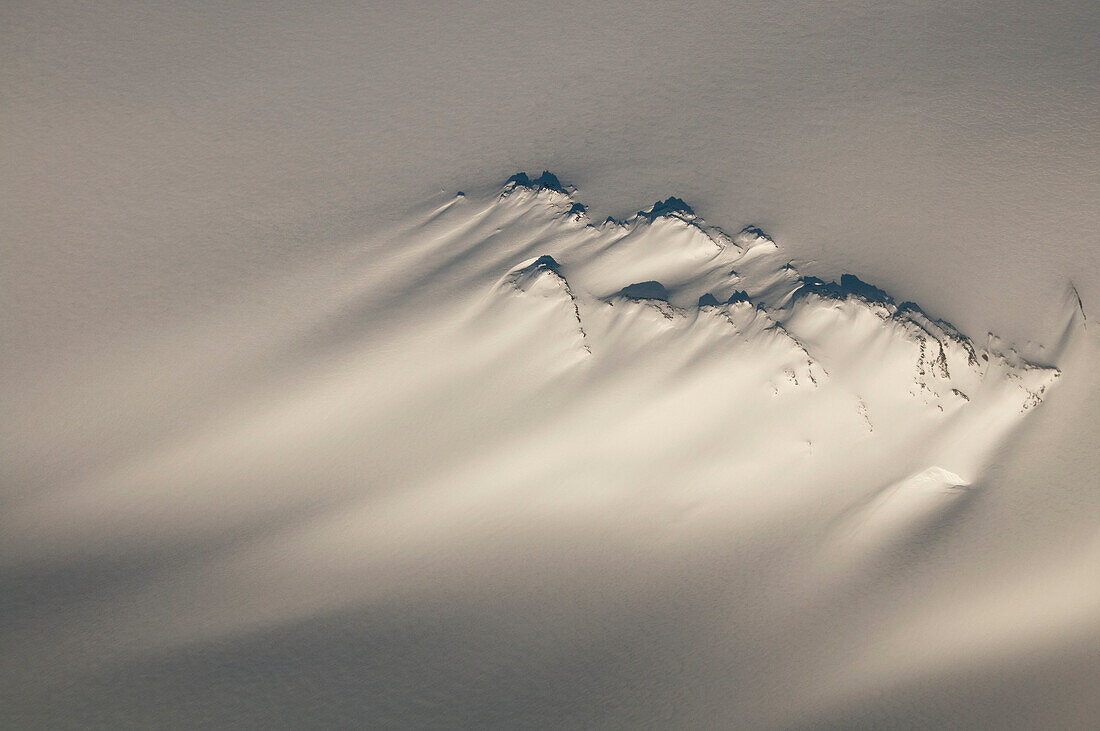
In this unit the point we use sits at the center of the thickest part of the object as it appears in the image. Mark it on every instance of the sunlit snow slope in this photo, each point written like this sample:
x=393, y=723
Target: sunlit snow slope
x=505, y=426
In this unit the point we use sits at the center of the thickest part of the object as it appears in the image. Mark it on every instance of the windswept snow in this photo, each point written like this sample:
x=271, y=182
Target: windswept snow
x=504, y=402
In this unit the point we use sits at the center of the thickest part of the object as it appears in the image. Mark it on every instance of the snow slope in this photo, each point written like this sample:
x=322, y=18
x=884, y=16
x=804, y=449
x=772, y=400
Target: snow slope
x=520, y=436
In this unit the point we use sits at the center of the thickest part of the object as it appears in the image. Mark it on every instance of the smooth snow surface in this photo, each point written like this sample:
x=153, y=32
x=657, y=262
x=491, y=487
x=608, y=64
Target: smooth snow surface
x=505, y=465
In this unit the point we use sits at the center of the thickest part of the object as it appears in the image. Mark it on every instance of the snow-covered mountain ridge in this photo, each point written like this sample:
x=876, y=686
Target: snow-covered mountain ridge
x=700, y=272
x=504, y=340
x=500, y=401
x=631, y=350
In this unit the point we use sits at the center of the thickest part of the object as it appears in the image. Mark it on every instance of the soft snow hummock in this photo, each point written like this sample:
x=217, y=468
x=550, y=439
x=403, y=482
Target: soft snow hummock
x=513, y=466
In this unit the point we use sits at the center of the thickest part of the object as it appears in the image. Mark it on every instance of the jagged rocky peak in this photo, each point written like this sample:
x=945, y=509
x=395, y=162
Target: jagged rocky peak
x=850, y=286
x=546, y=181
x=752, y=236
x=912, y=311
x=671, y=207
x=709, y=300
x=533, y=273
x=645, y=291
x=546, y=262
